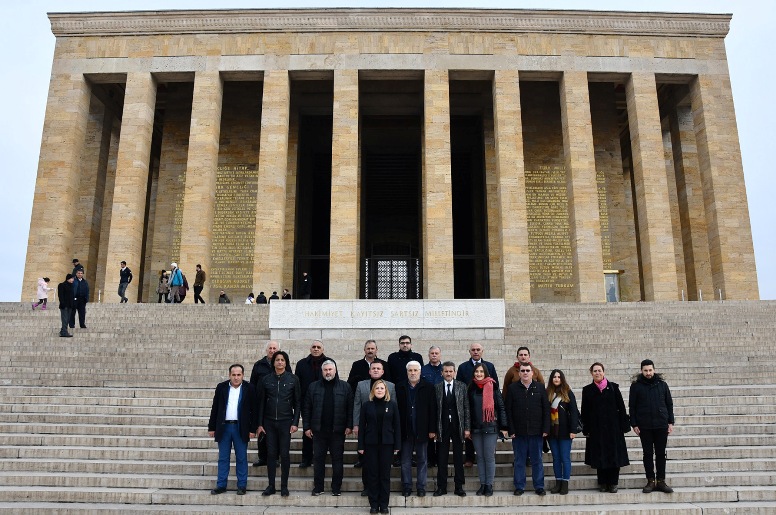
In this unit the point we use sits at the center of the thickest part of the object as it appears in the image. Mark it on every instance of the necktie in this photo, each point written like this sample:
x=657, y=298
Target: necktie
x=449, y=386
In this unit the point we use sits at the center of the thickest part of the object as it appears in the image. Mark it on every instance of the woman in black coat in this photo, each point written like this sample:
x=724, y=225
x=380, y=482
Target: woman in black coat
x=379, y=436
x=487, y=418
x=605, y=423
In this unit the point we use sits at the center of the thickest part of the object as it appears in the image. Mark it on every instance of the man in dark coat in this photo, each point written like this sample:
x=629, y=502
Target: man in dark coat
x=65, y=296
x=652, y=418
x=260, y=369
x=359, y=370
x=328, y=419
x=80, y=296
x=397, y=361
x=528, y=415
x=76, y=267
x=417, y=408
x=453, y=425
x=465, y=375
x=233, y=422
x=306, y=286
x=308, y=370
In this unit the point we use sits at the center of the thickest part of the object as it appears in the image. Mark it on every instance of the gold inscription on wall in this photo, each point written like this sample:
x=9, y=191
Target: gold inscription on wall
x=177, y=219
x=603, y=213
x=549, y=245
x=234, y=227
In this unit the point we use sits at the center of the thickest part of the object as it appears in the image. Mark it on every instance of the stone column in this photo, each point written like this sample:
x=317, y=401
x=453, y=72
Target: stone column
x=52, y=224
x=201, y=166
x=655, y=233
x=129, y=192
x=727, y=213
x=492, y=206
x=437, y=188
x=345, y=189
x=268, y=250
x=582, y=187
x=510, y=173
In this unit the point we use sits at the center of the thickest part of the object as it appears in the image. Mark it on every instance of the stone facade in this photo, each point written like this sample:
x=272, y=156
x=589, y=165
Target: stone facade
x=608, y=139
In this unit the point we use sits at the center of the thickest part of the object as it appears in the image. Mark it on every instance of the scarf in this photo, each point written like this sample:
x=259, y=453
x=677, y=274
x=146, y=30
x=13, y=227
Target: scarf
x=554, y=420
x=602, y=385
x=488, y=408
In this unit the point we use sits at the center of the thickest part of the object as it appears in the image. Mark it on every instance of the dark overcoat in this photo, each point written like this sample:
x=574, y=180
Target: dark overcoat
x=605, y=423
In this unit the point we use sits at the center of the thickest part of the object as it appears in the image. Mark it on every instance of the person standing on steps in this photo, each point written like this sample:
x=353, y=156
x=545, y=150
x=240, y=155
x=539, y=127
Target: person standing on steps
x=308, y=370
x=564, y=426
x=465, y=375
x=76, y=266
x=125, y=277
x=80, y=296
x=453, y=425
x=260, y=369
x=486, y=407
x=199, y=284
x=652, y=419
x=43, y=289
x=417, y=408
x=280, y=403
x=306, y=286
x=233, y=422
x=65, y=296
x=176, y=283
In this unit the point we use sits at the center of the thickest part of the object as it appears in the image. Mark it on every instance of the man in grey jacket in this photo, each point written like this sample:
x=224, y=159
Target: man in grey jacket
x=453, y=425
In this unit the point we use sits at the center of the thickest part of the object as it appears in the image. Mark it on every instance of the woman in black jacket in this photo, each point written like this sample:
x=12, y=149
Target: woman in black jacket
x=379, y=436
x=564, y=417
x=604, y=423
x=488, y=416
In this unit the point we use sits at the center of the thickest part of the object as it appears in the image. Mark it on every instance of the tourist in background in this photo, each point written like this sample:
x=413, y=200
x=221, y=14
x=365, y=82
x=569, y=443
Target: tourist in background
x=564, y=426
x=280, y=402
x=604, y=423
x=176, y=283
x=286, y=294
x=223, y=298
x=163, y=288
x=77, y=266
x=125, y=277
x=306, y=286
x=261, y=298
x=65, y=296
x=199, y=284
x=378, y=437
x=43, y=289
x=488, y=416
x=652, y=418
x=249, y=299
x=274, y=296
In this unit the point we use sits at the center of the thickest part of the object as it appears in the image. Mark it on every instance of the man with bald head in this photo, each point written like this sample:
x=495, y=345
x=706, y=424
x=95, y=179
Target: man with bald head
x=465, y=375
x=261, y=368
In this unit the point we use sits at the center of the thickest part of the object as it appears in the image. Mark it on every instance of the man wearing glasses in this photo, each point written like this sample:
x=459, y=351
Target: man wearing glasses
x=308, y=370
x=397, y=362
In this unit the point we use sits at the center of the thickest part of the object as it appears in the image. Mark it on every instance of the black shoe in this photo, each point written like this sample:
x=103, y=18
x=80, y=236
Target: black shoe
x=364, y=493
x=284, y=491
x=431, y=464
x=481, y=490
x=317, y=492
x=603, y=488
x=421, y=493
x=518, y=492
x=83, y=327
x=241, y=491
x=384, y=510
x=540, y=491
x=374, y=510
x=270, y=490
x=613, y=489
x=488, y=491
x=406, y=492
x=440, y=491
x=260, y=463
x=357, y=465
x=397, y=462
x=304, y=464
x=66, y=335
x=218, y=490
x=459, y=491
x=336, y=493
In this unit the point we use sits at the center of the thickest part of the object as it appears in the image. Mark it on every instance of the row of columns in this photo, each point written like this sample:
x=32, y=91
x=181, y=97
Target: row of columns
x=730, y=248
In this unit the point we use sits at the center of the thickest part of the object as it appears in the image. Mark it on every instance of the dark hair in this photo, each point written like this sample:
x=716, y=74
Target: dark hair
x=597, y=364
x=236, y=365
x=405, y=337
x=472, y=385
x=285, y=356
x=75, y=260
x=562, y=390
x=647, y=362
x=199, y=266
x=523, y=348
x=123, y=262
x=448, y=364
x=46, y=279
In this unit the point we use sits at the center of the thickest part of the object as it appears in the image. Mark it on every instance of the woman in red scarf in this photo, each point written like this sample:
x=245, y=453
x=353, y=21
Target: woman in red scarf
x=488, y=416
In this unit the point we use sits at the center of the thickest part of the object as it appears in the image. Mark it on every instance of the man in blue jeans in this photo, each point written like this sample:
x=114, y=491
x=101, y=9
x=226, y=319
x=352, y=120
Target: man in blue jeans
x=233, y=422
x=528, y=414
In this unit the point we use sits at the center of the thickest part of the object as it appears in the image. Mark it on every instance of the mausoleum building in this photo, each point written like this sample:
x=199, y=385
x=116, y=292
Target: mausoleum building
x=529, y=155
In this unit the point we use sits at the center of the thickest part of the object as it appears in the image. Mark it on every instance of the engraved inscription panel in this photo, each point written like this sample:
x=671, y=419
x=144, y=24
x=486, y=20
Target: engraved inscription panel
x=234, y=226
x=603, y=213
x=551, y=264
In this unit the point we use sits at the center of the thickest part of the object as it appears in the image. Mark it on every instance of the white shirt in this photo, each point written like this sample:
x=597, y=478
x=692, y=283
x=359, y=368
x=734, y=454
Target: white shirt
x=231, y=405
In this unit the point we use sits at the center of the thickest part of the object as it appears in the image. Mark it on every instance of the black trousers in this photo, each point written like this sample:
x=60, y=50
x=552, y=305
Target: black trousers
x=261, y=446
x=64, y=315
x=443, y=454
x=654, y=442
x=307, y=449
x=469, y=445
x=377, y=469
x=80, y=307
x=197, y=297
x=431, y=452
x=335, y=445
x=278, y=446
x=608, y=476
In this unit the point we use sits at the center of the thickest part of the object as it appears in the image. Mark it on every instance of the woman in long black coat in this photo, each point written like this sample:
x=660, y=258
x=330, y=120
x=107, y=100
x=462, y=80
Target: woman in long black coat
x=604, y=422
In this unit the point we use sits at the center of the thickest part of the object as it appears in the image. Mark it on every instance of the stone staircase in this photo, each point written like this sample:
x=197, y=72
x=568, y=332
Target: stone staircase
x=114, y=419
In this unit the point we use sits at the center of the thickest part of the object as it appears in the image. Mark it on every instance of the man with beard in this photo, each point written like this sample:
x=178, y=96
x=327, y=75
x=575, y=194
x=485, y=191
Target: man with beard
x=417, y=409
x=328, y=419
x=260, y=369
x=308, y=370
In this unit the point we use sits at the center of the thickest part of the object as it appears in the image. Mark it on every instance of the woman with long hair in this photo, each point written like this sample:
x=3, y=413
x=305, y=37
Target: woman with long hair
x=564, y=419
x=379, y=436
x=488, y=416
x=604, y=423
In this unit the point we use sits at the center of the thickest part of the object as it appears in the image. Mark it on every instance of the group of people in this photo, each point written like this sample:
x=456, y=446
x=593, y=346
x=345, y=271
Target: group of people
x=262, y=299
x=409, y=414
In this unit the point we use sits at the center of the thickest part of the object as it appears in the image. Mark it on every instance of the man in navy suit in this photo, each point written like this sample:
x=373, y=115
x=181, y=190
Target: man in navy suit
x=233, y=422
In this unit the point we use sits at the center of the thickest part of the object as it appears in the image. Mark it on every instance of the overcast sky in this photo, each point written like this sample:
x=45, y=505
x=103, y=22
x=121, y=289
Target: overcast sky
x=27, y=46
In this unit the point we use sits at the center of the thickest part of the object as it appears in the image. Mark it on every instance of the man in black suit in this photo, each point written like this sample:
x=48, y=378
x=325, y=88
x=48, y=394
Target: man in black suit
x=453, y=425
x=233, y=422
x=65, y=296
x=80, y=296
